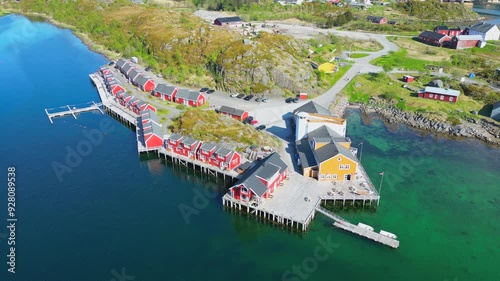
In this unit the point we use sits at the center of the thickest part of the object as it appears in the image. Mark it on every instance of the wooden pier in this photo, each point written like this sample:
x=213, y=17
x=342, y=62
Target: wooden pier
x=356, y=229
x=71, y=110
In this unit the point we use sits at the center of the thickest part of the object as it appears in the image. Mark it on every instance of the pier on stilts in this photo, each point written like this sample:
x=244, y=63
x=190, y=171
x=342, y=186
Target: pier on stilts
x=72, y=110
x=363, y=230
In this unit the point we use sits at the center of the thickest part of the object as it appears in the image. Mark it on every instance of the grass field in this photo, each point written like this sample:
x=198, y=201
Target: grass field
x=358, y=55
x=400, y=60
x=363, y=87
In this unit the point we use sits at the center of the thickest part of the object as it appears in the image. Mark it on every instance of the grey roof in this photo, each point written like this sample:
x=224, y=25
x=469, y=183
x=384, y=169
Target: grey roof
x=469, y=37
x=133, y=99
x=325, y=134
x=141, y=80
x=149, y=114
x=141, y=103
x=374, y=18
x=231, y=110
x=249, y=178
x=306, y=154
x=432, y=35
x=312, y=107
x=187, y=94
x=441, y=27
x=119, y=63
x=126, y=96
x=133, y=73
x=175, y=137
x=188, y=141
x=229, y=19
x=152, y=128
x=482, y=27
x=207, y=146
x=222, y=151
x=245, y=166
x=447, y=92
x=328, y=151
x=268, y=171
x=436, y=83
x=165, y=89
x=495, y=111
x=126, y=67
x=119, y=92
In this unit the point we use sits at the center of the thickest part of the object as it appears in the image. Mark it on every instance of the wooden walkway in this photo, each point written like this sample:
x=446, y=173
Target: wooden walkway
x=71, y=110
x=356, y=229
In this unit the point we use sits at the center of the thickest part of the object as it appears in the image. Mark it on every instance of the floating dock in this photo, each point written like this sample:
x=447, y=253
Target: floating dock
x=71, y=110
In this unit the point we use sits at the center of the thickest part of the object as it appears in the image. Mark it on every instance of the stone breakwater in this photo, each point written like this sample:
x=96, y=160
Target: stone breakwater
x=482, y=129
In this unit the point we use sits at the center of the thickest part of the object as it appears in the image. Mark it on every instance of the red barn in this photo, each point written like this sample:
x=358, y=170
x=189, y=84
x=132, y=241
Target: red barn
x=173, y=143
x=233, y=112
x=443, y=29
x=116, y=88
x=261, y=180
x=379, y=20
x=104, y=70
x=225, y=159
x=191, y=98
x=447, y=95
x=465, y=41
x=188, y=147
x=152, y=135
x=408, y=78
x=205, y=152
x=165, y=92
x=433, y=38
x=144, y=83
x=228, y=21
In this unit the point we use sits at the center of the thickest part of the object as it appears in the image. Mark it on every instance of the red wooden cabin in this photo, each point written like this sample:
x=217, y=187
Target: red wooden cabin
x=233, y=112
x=145, y=83
x=191, y=98
x=165, y=92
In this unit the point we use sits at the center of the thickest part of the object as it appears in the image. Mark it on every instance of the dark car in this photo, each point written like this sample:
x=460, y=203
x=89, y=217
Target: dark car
x=261, y=127
x=111, y=63
x=210, y=91
x=248, y=120
x=295, y=100
x=249, y=97
x=147, y=68
x=258, y=99
x=202, y=90
x=289, y=100
x=240, y=96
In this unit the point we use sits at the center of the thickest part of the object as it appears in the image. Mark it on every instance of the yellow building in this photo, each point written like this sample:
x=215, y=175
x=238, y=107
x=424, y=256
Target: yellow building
x=326, y=156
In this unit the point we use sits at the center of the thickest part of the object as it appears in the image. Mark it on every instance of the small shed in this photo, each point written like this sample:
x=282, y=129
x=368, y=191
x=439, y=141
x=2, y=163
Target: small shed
x=408, y=78
x=327, y=67
x=228, y=21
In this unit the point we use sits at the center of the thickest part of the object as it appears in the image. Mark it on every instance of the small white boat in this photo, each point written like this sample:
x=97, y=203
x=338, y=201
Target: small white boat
x=388, y=234
x=365, y=226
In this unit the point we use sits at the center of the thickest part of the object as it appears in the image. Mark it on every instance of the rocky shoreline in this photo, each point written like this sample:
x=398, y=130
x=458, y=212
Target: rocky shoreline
x=481, y=129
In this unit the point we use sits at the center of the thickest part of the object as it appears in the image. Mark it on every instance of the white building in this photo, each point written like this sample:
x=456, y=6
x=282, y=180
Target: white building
x=486, y=30
x=312, y=116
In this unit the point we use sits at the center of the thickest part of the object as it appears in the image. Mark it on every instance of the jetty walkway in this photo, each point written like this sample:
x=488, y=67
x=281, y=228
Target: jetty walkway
x=71, y=110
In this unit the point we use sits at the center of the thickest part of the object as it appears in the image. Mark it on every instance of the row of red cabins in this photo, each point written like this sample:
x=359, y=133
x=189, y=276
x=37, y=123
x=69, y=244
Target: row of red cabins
x=181, y=96
x=126, y=100
x=134, y=76
x=208, y=153
x=455, y=38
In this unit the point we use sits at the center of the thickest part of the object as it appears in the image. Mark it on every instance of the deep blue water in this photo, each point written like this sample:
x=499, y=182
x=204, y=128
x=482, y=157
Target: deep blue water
x=492, y=12
x=116, y=212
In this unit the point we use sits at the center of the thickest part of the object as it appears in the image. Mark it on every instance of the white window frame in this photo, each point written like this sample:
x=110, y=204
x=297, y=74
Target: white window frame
x=334, y=176
x=431, y=96
x=322, y=176
x=328, y=176
x=451, y=99
x=347, y=166
x=442, y=97
x=341, y=167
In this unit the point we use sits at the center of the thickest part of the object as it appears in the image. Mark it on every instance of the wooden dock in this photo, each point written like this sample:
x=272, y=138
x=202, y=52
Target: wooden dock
x=71, y=110
x=356, y=229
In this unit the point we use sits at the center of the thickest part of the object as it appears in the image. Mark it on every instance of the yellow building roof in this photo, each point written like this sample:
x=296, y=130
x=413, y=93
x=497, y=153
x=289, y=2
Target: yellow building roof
x=327, y=67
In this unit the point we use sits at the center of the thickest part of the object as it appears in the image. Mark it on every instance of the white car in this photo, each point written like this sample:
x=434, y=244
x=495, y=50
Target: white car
x=234, y=95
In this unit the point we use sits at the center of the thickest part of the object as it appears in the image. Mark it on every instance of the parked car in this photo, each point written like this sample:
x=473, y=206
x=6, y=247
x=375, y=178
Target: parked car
x=111, y=63
x=254, y=122
x=289, y=100
x=203, y=90
x=258, y=99
x=147, y=68
x=240, y=96
x=210, y=91
x=261, y=127
x=249, y=97
x=234, y=95
x=264, y=100
x=248, y=120
x=295, y=100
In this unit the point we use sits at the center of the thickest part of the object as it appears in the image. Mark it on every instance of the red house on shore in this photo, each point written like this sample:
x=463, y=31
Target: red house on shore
x=261, y=180
x=126, y=68
x=104, y=70
x=233, y=112
x=145, y=83
x=141, y=105
x=408, y=78
x=225, y=159
x=205, y=152
x=116, y=88
x=378, y=20
x=132, y=75
x=433, y=38
x=466, y=41
x=191, y=98
x=173, y=143
x=434, y=93
x=152, y=133
x=165, y=92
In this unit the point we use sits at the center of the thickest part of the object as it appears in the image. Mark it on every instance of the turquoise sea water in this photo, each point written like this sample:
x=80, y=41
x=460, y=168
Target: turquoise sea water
x=115, y=213
x=490, y=11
